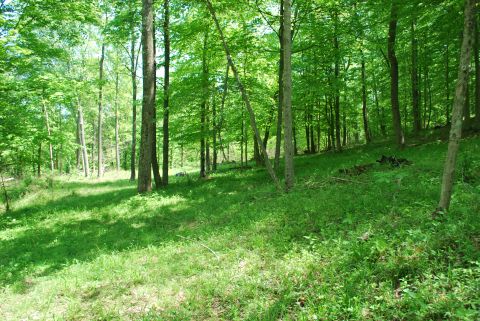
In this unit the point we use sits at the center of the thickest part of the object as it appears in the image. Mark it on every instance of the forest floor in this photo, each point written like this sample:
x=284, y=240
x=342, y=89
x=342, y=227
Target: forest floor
x=341, y=246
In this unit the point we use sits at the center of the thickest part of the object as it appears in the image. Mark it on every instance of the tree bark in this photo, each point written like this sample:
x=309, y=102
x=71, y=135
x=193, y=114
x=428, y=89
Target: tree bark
x=148, y=103
x=166, y=91
x=477, y=70
x=83, y=144
x=214, y=134
x=245, y=96
x=100, y=115
x=155, y=167
x=392, y=34
x=117, y=139
x=459, y=100
x=203, y=108
x=133, y=75
x=49, y=133
x=337, y=86
x=287, y=96
x=366, y=129
x=447, y=84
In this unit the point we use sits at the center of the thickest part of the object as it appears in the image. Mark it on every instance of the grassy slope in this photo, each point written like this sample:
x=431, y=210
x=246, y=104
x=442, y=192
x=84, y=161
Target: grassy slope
x=230, y=248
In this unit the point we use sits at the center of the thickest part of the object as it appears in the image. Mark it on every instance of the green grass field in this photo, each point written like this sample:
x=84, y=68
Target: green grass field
x=339, y=247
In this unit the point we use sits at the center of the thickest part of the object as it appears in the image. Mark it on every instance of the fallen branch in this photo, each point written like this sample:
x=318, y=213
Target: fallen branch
x=212, y=251
x=347, y=180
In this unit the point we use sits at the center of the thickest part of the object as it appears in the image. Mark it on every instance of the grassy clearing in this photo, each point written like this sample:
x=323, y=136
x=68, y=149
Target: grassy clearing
x=231, y=248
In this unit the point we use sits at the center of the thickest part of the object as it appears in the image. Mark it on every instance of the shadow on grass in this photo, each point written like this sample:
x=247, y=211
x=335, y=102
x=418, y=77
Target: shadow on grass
x=48, y=246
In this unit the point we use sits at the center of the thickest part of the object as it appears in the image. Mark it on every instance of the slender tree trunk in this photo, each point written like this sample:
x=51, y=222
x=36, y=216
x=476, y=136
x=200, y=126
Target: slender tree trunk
x=287, y=96
x=203, y=108
x=133, y=69
x=337, y=89
x=245, y=96
x=47, y=124
x=281, y=64
x=222, y=110
x=380, y=111
x=456, y=129
x=148, y=104
x=366, y=129
x=392, y=35
x=83, y=144
x=269, y=125
x=447, y=84
x=166, y=90
x=477, y=70
x=208, y=160
x=214, y=134
x=5, y=194
x=79, y=148
x=417, y=122
x=466, y=105
x=39, y=159
x=100, y=115
x=117, y=139
x=155, y=167
x=94, y=141
x=327, y=119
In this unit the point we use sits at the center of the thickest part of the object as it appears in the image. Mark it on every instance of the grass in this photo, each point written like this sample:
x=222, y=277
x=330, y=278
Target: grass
x=230, y=248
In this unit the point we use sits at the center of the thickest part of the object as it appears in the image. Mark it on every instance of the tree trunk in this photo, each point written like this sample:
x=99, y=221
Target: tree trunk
x=245, y=96
x=39, y=160
x=337, y=86
x=392, y=34
x=83, y=144
x=287, y=96
x=417, y=122
x=281, y=64
x=148, y=104
x=100, y=114
x=459, y=100
x=79, y=148
x=166, y=91
x=203, y=108
x=477, y=71
x=214, y=134
x=366, y=129
x=117, y=139
x=47, y=124
x=133, y=70
x=155, y=167
x=222, y=109
x=447, y=84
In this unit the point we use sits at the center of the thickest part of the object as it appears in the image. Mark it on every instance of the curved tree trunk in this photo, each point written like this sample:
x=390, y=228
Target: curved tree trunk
x=245, y=96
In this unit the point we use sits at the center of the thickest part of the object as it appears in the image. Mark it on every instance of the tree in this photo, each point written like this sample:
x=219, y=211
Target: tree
x=166, y=90
x=245, y=96
x=458, y=106
x=287, y=95
x=392, y=57
x=148, y=104
x=100, y=114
